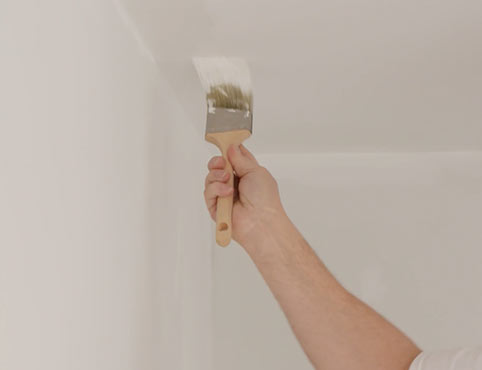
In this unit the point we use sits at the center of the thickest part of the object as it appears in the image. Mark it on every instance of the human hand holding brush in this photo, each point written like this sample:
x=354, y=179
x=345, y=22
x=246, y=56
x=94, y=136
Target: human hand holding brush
x=256, y=198
x=227, y=83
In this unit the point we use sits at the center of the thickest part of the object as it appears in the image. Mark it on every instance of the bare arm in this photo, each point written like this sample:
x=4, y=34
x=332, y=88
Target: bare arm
x=335, y=329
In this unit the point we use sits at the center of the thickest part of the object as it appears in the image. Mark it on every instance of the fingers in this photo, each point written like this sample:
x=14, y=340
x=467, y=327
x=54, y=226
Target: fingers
x=216, y=175
x=241, y=160
x=215, y=184
x=216, y=163
x=213, y=191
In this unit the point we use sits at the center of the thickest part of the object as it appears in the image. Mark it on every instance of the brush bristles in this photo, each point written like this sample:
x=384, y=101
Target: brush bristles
x=229, y=96
x=227, y=82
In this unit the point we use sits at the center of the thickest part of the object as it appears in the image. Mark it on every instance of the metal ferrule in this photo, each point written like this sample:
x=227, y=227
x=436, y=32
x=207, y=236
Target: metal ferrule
x=224, y=119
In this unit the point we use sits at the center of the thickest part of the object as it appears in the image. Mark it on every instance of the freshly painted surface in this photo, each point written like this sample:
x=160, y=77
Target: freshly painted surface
x=334, y=75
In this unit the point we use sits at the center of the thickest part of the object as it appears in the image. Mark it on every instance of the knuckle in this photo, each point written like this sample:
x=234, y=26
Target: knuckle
x=217, y=186
x=263, y=170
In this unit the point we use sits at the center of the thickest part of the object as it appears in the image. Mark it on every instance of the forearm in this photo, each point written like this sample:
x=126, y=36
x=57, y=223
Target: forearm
x=336, y=330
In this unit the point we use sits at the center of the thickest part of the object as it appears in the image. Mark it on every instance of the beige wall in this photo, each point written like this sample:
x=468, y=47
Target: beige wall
x=401, y=231
x=104, y=248
x=75, y=113
x=182, y=238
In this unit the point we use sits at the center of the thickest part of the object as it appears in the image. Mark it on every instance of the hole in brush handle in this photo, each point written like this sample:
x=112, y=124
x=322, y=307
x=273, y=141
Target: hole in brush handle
x=223, y=226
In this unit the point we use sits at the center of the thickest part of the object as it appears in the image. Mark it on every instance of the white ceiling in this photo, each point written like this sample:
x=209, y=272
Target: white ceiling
x=334, y=75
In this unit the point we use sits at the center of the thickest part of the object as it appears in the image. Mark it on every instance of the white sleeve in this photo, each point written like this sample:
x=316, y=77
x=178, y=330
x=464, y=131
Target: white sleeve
x=458, y=359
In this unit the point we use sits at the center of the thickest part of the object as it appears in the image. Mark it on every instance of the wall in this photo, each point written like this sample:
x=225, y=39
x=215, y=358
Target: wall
x=99, y=243
x=105, y=246
x=351, y=76
x=401, y=231
x=182, y=236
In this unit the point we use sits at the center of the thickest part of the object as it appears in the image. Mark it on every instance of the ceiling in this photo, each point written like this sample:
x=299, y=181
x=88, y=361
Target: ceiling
x=334, y=75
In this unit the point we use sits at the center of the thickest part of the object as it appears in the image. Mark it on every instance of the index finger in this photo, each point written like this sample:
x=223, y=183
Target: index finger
x=216, y=163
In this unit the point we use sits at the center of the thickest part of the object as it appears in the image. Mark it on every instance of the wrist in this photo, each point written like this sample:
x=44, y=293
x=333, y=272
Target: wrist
x=273, y=233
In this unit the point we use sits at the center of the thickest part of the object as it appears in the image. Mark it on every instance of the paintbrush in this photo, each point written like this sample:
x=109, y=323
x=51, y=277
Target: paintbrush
x=227, y=83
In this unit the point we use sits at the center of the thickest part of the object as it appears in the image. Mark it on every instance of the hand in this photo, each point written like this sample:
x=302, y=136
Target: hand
x=256, y=198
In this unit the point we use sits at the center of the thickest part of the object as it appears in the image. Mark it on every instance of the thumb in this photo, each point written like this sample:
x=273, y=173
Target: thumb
x=241, y=163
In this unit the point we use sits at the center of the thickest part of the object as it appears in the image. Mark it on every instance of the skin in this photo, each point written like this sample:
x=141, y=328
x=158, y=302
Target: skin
x=336, y=330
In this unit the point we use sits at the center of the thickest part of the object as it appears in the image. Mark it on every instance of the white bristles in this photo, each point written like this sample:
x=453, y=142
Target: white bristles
x=223, y=71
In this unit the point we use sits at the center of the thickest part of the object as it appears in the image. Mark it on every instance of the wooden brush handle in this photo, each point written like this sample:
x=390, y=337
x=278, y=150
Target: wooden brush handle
x=223, y=140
